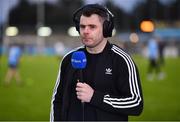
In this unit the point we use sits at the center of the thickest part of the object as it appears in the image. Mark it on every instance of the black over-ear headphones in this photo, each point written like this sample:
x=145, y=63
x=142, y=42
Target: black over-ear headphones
x=108, y=24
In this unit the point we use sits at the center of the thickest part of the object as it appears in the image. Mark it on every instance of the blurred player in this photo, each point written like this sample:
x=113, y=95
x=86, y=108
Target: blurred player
x=13, y=63
x=153, y=54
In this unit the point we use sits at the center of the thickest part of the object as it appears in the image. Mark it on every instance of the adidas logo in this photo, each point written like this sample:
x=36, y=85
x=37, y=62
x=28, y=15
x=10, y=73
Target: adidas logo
x=108, y=71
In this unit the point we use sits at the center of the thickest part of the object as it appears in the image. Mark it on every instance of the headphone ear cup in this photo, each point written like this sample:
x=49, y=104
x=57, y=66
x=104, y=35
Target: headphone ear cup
x=77, y=26
x=107, y=28
x=111, y=27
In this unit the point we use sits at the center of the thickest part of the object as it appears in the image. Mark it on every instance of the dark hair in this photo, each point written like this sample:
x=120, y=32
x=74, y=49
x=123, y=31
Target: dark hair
x=89, y=11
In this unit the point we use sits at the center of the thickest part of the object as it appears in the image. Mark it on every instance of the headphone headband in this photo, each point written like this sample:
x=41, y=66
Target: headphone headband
x=96, y=6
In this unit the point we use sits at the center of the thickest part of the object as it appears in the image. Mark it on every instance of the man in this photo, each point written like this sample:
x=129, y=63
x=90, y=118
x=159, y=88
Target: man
x=111, y=87
x=153, y=55
x=13, y=62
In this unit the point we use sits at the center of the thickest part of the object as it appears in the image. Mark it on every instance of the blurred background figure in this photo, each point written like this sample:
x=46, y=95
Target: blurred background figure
x=155, y=55
x=13, y=64
x=161, y=47
x=59, y=49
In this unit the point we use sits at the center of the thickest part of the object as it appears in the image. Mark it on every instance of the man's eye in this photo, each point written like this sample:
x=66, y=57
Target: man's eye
x=82, y=26
x=92, y=26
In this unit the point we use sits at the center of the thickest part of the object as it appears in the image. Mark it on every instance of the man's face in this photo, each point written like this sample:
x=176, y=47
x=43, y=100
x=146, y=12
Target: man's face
x=91, y=30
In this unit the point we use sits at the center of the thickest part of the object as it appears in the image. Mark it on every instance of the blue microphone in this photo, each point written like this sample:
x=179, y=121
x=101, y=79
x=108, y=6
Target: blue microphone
x=79, y=61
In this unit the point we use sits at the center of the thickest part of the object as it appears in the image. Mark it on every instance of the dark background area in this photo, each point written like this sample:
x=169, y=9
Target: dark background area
x=60, y=14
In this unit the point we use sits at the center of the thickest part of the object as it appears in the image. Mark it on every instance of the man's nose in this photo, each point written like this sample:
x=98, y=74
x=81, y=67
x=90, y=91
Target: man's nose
x=86, y=30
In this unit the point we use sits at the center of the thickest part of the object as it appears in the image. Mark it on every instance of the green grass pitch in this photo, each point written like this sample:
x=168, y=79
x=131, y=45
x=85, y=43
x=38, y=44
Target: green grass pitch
x=31, y=101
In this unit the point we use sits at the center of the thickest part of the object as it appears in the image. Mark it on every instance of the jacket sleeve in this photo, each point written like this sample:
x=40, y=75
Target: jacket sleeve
x=56, y=102
x=129, y=99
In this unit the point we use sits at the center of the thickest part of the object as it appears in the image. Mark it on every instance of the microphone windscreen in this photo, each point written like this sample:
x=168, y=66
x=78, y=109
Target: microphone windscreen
x=78, y=60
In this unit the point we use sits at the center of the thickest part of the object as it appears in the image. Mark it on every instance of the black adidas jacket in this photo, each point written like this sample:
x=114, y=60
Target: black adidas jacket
x=117, y=87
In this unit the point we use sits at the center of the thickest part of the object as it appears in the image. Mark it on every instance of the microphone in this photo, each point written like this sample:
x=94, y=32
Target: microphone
x=79, y=61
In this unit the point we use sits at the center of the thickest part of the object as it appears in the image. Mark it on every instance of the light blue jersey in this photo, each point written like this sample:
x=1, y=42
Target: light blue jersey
x=153, y=49
x=14, y=55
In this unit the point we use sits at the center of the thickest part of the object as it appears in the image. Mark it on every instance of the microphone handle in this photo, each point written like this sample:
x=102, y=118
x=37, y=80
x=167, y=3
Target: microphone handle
x=82, y=81
x=81, y=76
